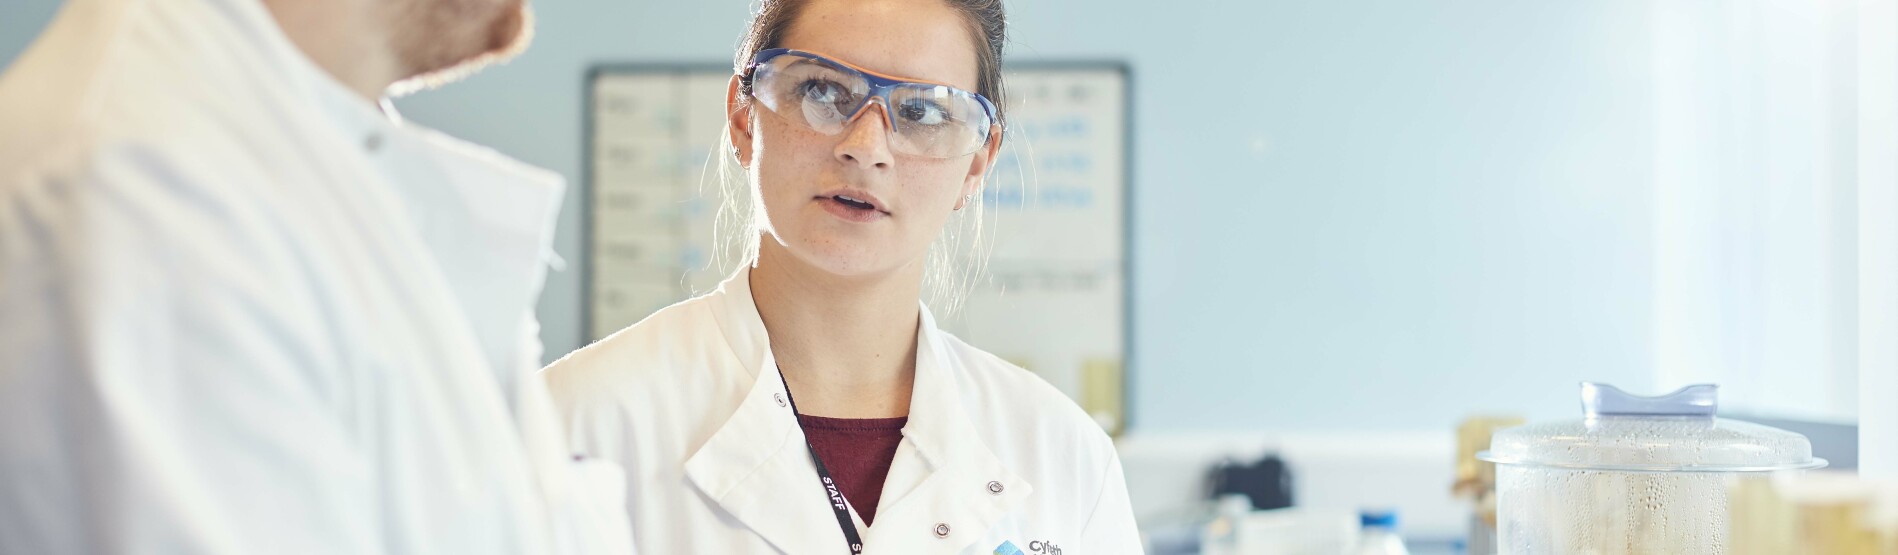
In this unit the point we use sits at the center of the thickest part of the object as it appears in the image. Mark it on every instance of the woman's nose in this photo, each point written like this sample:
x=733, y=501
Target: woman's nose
x=866, y=137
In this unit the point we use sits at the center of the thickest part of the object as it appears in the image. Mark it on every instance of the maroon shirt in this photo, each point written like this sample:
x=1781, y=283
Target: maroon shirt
x=857, y=452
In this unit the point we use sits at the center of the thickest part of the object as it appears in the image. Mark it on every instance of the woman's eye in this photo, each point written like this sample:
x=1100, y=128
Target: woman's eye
x=924, y=113
x=819, y=90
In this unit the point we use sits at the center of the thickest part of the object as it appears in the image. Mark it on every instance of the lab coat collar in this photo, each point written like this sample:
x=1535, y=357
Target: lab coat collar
x=756, y=466
x=486, y=219
x=283, y=69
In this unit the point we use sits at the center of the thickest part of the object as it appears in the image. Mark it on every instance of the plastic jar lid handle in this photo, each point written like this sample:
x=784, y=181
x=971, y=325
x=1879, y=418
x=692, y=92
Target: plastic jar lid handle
x=1600, y=399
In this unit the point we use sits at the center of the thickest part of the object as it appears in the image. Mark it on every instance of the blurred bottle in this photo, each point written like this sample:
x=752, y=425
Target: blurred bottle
x=1378, y=534
x=1222, y=535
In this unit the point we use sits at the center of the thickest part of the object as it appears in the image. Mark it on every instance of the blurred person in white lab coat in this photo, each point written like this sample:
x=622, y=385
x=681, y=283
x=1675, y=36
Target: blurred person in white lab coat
x=244, y=309
x=810, y=404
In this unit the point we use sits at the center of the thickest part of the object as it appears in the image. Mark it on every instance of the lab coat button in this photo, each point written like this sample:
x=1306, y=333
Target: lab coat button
x=995, y=488
x=942, y=530
x=779, y=397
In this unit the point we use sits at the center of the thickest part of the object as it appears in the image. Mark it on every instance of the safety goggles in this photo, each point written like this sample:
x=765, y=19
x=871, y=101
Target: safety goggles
x=926, y=119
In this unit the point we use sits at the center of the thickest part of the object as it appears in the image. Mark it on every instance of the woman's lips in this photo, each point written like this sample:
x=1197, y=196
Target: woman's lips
x=850, y=210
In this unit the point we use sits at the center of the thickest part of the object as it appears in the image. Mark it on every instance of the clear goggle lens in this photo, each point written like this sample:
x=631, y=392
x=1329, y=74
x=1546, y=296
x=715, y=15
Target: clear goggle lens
x=936, y=121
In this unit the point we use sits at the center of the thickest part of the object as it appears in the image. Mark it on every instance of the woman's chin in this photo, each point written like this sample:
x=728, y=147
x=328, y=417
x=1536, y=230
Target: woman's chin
x=847, y=264
x=844, y=258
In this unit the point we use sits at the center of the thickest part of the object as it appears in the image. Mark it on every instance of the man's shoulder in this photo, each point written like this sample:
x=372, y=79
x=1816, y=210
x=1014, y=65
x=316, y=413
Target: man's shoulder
x=110, y=77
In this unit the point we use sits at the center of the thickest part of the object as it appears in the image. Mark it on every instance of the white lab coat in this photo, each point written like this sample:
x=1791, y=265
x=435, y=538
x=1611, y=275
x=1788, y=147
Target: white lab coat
x=690, y=403
x=244, y=311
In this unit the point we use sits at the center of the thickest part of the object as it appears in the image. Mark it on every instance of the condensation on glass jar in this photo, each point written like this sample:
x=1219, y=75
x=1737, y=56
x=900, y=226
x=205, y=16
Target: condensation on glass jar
x=1634, y=475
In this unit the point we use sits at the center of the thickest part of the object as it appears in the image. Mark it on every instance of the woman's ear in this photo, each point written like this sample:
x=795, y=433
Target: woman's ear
x=979, y=167
x=738, y=122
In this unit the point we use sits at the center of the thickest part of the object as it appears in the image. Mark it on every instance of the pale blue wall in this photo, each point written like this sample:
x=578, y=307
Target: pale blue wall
x=1360, y=214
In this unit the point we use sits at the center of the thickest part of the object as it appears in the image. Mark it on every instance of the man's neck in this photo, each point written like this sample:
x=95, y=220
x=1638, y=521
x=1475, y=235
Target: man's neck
x=846, y=345
x=343, y=37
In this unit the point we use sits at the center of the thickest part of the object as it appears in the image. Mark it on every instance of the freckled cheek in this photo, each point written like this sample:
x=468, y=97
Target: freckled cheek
x=930, y=193
x=790, y=163
x=933, y=185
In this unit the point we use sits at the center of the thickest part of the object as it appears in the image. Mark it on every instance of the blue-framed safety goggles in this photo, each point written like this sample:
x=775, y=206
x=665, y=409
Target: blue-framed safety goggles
x=925, y=119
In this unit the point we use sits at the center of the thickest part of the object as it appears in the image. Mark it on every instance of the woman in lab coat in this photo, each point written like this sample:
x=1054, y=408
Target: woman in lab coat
x=810, y=404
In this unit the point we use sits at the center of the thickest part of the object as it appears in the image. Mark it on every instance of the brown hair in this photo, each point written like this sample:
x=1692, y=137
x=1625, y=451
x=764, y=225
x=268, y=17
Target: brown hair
x=988, y=29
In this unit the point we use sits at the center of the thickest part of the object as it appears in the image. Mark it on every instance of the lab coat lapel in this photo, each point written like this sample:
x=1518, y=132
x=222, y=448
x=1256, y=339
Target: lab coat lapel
x=944, y=474
x=488, y=222
x=756, y=466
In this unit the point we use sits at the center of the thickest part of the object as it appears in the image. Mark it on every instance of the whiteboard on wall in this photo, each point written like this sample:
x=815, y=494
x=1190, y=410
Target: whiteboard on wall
x=1055, y=297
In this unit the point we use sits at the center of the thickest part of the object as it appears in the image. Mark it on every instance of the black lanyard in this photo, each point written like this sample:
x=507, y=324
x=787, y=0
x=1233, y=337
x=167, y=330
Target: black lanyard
x=837, y=503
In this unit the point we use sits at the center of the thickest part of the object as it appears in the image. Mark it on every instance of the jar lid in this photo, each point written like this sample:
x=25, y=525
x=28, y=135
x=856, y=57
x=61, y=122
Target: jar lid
x=1676, y=432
